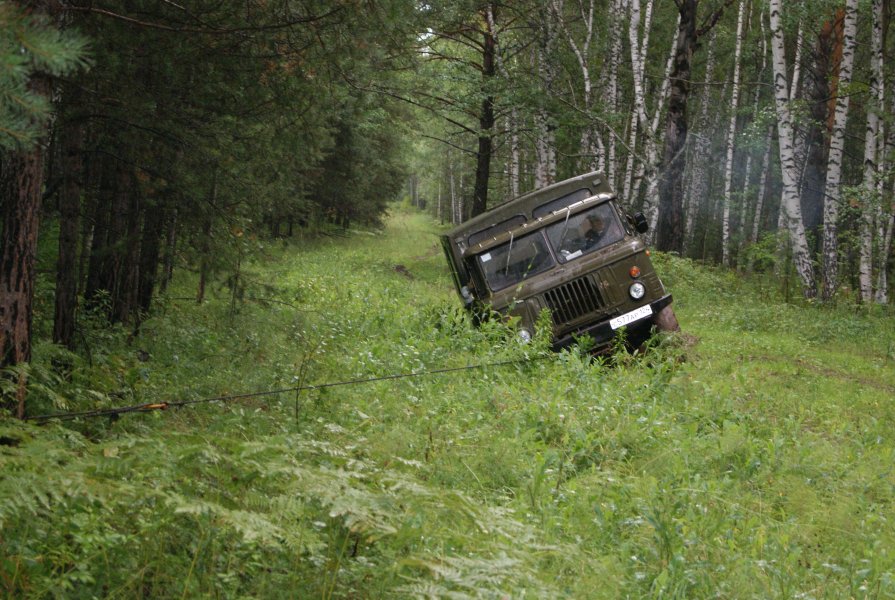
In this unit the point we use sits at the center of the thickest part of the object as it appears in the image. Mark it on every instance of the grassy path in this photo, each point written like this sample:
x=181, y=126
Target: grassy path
x=754, y=459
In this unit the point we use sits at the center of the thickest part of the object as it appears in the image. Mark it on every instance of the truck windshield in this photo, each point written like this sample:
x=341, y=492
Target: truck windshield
x=510, y=263
x=584, y=232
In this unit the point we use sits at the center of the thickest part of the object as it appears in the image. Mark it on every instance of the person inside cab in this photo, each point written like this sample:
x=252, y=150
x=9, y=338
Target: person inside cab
x=595, y=229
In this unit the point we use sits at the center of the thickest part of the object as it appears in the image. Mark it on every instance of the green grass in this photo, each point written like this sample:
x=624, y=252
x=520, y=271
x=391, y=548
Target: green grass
x=750, y=458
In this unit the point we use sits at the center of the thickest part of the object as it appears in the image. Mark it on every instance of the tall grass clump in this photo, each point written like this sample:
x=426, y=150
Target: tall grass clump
x=749, y=457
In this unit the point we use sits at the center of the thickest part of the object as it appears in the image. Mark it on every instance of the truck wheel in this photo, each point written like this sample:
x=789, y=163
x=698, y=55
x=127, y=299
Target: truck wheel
x=666, y=321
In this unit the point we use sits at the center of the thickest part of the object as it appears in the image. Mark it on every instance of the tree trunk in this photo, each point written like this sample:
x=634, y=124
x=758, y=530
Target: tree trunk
x=455, y=213
x=819, y=82
x=745, y=236
x=21, y=181
x=651, y=148
x=871, y=167
x=762, y=183
x=615, y=58
x=205, y=243
x=66, y=296
x=21, y=177
x=590, y=144
x=832, y=197
x=150, y=248
x=670, y=230
x=731, y=140
x=699, y=178
x=790, y=194
x=515, y=158
x=486, y=120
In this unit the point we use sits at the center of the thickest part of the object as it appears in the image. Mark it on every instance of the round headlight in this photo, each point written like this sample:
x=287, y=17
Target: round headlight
x=637, y=290
x=524, y=335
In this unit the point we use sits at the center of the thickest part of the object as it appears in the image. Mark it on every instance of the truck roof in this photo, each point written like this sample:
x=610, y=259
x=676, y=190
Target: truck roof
x=525, y=205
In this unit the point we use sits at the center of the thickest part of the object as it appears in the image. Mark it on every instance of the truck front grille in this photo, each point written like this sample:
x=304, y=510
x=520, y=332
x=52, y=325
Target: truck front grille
x=573, y=300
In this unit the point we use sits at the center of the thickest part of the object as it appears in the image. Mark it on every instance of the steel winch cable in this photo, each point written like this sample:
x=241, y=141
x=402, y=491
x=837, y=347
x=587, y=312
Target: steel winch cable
x=152, y=406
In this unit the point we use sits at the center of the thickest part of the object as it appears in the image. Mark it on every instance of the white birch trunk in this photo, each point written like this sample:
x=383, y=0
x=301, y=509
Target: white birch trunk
x=762, y=183
x=545, y=144
x=800, y=149
x=888, y=215
x=515, y=160
x=455, y=212
x=638, y=56
x=513, y=118
x=882, y=211
x=698, y=188
x=871, y=144
x=591, y=144
x=615, y=57
x=731, y=139
x=832, y=196
x=789, y=168
x=651, y=200
x=756, y=103
x=628, y=190
x=461, y=209
x=638, y=114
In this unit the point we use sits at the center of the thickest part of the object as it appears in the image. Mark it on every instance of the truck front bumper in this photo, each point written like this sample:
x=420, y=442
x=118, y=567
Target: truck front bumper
x=602, y=332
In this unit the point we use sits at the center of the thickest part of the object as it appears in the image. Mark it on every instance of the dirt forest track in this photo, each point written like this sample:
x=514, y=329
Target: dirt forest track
x=749, y=456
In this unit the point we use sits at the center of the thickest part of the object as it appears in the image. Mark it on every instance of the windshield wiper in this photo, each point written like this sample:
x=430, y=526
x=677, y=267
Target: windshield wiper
x=565, y=228
x=506, y=268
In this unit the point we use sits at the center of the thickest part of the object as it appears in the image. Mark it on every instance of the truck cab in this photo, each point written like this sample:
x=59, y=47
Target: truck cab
x=569, y=248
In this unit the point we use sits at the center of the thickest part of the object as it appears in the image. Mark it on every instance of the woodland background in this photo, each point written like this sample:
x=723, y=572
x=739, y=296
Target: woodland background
x=159, y=136
x=198, y=201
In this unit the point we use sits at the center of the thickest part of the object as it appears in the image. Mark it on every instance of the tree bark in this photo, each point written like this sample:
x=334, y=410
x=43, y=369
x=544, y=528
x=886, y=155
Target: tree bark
x=615, y=58
x=790, y=195
x=832, y=197
x=486, y=120
x=670, y=230
x=170, y=249
x=591, y=144
x=819, y=90
x=699, y=178
x=731, y=140
x=66, y=296
x=871, y=167
x=21, y=181
x=150, y=248
x=545, y=128
x=762, y=183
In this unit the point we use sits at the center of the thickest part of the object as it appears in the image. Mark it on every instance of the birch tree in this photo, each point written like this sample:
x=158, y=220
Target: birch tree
x=591, y=146
x=638, y=119
x=791, y=208
x=615, y=57
x=670, y=231
x=871, y=147
x=699, y=177
x=832, y=197
x=648, y=165
x=731, y=138
x=545, y=127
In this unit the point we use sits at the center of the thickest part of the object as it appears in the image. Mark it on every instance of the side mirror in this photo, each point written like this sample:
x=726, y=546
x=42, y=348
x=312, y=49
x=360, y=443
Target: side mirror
x=640, y=223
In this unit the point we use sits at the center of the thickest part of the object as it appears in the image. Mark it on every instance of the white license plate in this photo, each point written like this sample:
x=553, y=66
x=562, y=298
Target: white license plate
x=628, y=318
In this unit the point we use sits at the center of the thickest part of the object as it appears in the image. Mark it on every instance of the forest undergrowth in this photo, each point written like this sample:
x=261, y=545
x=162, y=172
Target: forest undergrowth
x=751, y=457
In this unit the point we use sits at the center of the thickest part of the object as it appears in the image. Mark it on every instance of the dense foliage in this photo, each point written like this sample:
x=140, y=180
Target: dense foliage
x=194, y=203
x=750, y=458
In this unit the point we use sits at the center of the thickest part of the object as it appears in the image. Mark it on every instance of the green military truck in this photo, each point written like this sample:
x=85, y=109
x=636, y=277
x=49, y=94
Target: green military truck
x=568, y=248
